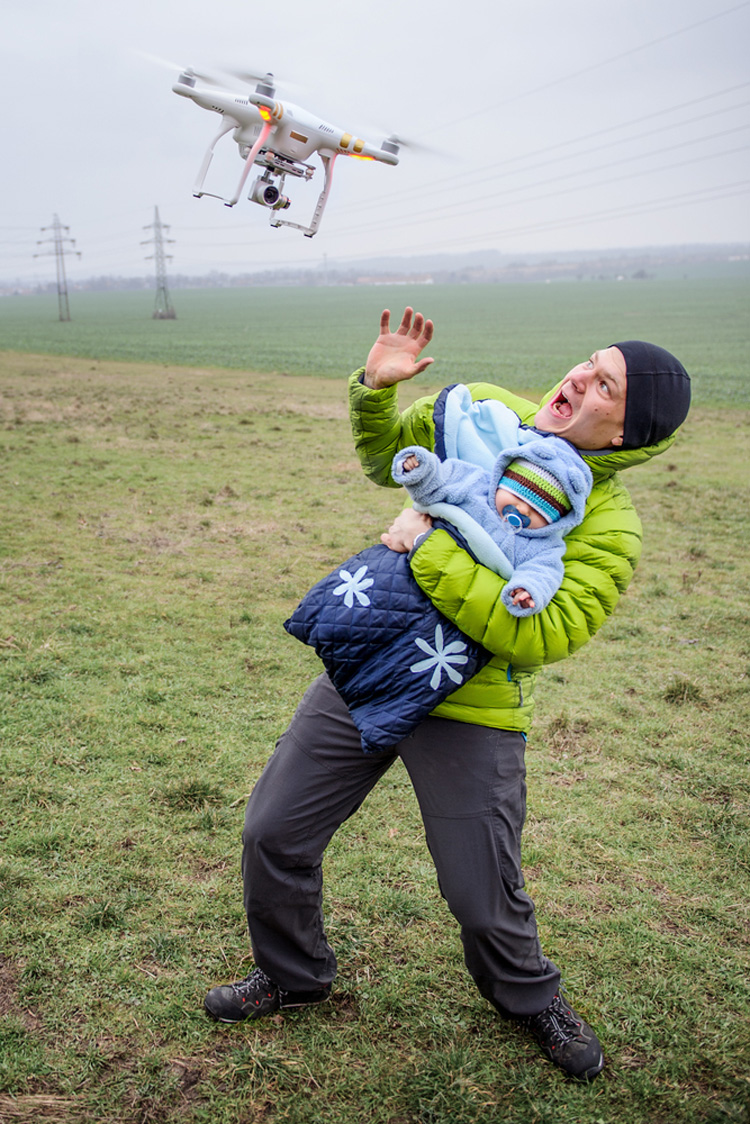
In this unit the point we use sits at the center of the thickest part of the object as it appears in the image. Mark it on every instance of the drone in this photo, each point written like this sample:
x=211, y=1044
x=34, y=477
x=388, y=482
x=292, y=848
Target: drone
x=278, y=138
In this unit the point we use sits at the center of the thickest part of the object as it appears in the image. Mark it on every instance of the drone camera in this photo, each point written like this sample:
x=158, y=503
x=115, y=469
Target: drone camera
x=268, y=195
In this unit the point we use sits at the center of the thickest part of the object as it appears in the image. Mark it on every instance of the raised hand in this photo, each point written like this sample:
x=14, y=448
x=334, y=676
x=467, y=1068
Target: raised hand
x=394, y=355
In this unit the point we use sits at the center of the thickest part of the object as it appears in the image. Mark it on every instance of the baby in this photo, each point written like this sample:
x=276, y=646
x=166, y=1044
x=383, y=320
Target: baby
x=513, y=518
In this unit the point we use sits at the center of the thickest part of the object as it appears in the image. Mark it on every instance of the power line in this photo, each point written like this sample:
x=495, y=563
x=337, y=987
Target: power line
x=592, y=65
x=651, y=169
x=504, y=169
x=653, y=206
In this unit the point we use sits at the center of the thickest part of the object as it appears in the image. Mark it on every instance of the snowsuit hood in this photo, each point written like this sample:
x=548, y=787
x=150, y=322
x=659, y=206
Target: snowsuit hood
x=569, y=468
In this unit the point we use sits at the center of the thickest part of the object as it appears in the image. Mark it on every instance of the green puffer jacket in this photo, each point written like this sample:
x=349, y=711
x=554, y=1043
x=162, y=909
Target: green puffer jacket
x=601, y=555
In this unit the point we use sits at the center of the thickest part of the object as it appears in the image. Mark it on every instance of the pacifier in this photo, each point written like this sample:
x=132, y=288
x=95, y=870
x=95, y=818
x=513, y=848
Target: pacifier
x=515, y=517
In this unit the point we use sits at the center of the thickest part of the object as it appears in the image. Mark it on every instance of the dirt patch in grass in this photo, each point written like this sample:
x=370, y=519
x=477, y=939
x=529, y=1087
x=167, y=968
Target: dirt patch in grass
x=8, y=987
x=30, y=1108
x=9, y=1002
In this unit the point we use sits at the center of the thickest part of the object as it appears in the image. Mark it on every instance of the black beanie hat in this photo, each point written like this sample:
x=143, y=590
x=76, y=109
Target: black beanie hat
x=658, y=394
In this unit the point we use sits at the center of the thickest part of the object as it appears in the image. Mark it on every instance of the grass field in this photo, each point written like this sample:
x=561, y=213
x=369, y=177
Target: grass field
x=159, y=523
x=517, y=335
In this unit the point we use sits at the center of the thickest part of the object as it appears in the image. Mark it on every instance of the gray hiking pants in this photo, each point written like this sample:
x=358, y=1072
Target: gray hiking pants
x=470, y=784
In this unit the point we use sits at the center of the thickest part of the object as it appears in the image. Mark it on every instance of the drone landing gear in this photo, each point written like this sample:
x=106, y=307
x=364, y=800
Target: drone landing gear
x=228, y=123
x=309, y=231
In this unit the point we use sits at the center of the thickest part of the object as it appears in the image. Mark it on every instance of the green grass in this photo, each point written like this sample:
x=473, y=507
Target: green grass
x=159, y=523
x=517, y=335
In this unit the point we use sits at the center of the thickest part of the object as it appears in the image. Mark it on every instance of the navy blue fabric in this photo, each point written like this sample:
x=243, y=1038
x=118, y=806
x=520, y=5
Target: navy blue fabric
x=392, y=656
x=438, y=416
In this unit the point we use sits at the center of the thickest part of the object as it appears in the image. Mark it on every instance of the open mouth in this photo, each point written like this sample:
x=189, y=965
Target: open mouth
x=561, y=407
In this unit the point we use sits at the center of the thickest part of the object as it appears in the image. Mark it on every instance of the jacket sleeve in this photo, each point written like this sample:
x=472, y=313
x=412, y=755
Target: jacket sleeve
x=540, y=576
x=601, y=554
x=380, y=430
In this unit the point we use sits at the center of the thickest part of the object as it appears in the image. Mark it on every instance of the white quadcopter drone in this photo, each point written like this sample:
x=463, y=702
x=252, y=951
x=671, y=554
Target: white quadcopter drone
x=278, y=137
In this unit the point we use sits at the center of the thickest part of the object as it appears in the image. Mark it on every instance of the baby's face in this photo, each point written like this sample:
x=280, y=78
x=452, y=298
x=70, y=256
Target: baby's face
x=505, y=498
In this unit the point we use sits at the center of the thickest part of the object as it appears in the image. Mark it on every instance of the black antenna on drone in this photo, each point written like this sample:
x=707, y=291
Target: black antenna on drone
x=58, y=239
x=163, y=309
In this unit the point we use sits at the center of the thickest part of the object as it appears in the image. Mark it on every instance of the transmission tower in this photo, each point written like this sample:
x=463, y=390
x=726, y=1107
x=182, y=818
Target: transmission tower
x=163, y=309
x=58, y=239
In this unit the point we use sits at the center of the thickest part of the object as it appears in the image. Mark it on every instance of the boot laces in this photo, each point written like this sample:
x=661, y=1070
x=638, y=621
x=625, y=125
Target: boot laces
x=255, y=982
x=557, y=1023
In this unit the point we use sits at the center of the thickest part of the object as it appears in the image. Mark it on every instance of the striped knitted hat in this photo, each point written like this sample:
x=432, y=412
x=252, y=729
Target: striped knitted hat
x=538, y=487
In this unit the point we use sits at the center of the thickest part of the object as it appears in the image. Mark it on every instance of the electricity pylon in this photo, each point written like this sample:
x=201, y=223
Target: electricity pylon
x=163, y=309
x=59, y=239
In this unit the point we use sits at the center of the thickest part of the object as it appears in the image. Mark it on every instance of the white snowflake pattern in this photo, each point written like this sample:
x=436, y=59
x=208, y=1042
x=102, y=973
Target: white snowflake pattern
x=441, y=657
x=353, y=585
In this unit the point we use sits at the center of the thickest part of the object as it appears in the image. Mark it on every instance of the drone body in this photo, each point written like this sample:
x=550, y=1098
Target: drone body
x=277, y=137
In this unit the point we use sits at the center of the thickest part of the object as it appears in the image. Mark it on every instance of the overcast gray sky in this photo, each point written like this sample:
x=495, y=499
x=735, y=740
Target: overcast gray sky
x=576, y=125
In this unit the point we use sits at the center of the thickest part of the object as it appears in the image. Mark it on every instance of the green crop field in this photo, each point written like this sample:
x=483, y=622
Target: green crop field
x=518, y=335
x=160, y=519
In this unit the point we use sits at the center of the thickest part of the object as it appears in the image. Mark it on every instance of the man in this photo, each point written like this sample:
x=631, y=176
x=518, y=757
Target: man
x=466, y=760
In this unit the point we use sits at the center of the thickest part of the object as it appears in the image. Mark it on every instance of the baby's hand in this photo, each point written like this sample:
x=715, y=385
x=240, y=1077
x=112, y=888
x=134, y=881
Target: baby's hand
x=410, y=463
x=523, y=599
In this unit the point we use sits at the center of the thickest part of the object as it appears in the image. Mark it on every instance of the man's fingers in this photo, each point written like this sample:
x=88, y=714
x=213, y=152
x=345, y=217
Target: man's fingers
x=413, y=324
x=405, y=324
x=420, y=330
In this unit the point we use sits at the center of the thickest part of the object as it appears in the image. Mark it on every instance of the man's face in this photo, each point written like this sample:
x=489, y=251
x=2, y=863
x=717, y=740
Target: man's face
x=589, y=408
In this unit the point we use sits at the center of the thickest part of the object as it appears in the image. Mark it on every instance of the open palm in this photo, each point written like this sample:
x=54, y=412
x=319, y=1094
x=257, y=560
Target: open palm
x=393, y=357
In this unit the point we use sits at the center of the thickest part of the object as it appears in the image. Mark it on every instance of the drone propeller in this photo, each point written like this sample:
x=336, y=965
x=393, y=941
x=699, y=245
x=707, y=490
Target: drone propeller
x=215, y=78
x=252, y=77
x=266, y=80
x=411, y=145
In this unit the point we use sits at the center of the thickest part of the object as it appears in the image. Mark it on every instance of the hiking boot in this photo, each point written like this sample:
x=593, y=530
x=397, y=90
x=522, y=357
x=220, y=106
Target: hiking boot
x=567, y=1040
x=256, y=996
